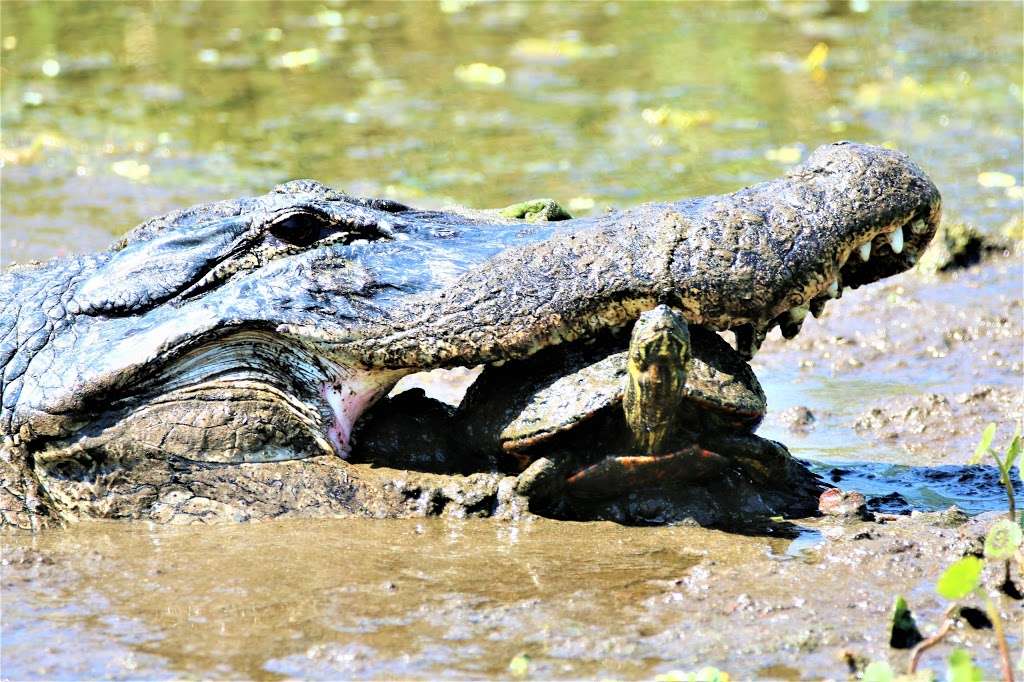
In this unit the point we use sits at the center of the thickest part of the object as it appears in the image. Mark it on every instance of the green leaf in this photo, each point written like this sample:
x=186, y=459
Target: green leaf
x=1013, y=452
x=961, y=578
x=878, y=671
x=711, y=674
x=519, y=665
x=983, y=446
x=1003, y=539
x=960, y=668
x=903, y=632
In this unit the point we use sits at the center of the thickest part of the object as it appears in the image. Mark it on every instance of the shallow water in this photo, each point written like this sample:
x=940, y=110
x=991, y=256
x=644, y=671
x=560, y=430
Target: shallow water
x=112, y=113
x=438, y=598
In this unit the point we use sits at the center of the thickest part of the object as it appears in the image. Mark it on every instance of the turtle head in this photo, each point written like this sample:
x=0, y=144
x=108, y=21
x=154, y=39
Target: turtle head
x=657, y=366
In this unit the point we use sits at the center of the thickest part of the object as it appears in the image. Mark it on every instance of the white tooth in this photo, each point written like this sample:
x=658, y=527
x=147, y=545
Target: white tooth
x=833, y=289
x=749, y=338
x=798, y=313
x=896, y=240
x=864, y=251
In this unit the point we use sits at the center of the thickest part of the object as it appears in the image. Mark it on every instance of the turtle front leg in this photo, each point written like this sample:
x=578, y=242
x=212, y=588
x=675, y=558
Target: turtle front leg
x=765, y=461
x=618, y=474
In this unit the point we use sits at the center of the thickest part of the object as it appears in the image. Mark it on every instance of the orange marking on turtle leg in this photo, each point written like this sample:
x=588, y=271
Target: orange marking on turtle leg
x=613, y=475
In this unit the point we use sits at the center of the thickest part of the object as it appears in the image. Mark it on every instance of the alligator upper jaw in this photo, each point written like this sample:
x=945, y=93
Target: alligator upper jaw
x=882, y=252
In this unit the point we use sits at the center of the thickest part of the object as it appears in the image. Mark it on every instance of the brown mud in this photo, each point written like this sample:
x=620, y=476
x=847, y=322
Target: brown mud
x=917, y=365
x=461, y=598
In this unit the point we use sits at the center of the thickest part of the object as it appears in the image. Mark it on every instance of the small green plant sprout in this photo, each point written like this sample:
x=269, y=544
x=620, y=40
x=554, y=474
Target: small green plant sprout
x=878, y=671
x=1004, y=538
x=519, y=666
x=904, y=633
x=1005, y=463
x=881, y=671
x=960, y=578
x=960, y=668
x=963, y=578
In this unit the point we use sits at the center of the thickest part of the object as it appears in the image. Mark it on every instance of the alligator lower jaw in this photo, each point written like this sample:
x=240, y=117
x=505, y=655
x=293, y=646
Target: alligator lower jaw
x=310, y=390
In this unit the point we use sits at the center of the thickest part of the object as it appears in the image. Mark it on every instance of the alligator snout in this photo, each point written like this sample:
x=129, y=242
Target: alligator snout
x=850, y=215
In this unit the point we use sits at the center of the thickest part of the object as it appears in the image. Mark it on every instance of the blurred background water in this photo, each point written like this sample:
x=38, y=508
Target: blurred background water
x=114, y=112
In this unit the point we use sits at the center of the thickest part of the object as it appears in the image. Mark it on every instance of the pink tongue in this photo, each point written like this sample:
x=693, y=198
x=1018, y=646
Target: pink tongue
x=348, y=399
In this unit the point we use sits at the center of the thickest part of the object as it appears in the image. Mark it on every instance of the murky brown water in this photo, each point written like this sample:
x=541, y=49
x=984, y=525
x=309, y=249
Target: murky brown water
x=112, y=113
x=461, y=599
x=389, y=598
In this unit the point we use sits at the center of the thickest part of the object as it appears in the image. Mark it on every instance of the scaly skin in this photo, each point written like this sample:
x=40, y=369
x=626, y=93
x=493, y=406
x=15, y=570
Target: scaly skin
x=216, y=358
x=656, y=368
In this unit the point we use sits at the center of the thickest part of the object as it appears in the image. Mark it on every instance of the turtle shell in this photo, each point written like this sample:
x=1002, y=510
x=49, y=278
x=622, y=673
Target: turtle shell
x=525, y=403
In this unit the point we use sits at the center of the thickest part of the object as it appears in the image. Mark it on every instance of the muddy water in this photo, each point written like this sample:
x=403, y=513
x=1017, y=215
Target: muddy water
x=444, y=598
x=115, y=112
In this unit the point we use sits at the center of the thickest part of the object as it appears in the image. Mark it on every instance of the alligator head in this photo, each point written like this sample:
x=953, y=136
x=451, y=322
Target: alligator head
x=747, y=261
x=223, y=353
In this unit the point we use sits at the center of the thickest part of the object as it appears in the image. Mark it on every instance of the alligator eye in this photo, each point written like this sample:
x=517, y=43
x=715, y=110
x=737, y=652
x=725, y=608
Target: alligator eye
x=301, y=229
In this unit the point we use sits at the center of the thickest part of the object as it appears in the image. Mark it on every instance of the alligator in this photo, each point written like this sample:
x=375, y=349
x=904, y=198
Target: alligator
x=214, y=361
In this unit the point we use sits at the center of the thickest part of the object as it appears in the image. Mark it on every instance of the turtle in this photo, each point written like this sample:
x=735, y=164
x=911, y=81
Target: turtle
x=679, y=406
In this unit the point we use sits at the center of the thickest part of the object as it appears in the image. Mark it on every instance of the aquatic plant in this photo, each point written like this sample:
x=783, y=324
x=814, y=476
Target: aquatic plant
x=1005, y=463
x=962, y=580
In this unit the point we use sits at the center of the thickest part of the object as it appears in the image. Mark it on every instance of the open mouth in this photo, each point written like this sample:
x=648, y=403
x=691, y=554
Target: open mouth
x=883, y=252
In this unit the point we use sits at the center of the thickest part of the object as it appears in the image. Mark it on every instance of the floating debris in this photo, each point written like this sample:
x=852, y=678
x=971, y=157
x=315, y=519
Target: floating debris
x=131, y=169
x=567, y=48
x=51, y=68
x=297, y=59
x=996, y=179
x=581, y=203
x=209, y=56
x=814, y=62
x=676, y=118
x=480, y=74
x=787, y=155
